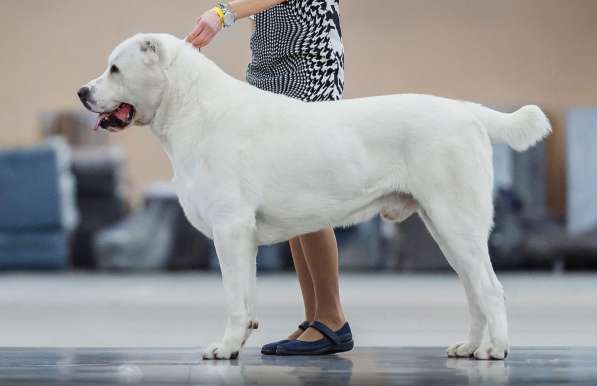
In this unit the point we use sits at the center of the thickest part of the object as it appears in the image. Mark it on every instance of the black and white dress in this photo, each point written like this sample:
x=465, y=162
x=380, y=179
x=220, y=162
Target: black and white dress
x=297, y=50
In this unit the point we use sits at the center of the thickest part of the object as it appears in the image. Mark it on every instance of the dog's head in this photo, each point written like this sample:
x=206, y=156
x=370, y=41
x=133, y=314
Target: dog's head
x=130, y=89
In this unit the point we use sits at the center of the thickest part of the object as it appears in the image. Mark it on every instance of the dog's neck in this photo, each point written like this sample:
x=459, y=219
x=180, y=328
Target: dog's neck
x=194, y=93
x=198, y=101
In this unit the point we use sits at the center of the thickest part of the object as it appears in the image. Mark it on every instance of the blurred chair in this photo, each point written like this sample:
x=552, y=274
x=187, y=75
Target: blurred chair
x=99, y=170
x=156, y=236
x=37, y=206
x=572, y=244
x=76, y=126
x=581, y=167
x=101, y=197
x=360, y=246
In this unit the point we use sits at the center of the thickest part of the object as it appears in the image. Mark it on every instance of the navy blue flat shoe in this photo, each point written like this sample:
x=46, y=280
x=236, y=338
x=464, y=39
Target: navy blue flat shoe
x=270, y=348
x=331, y=343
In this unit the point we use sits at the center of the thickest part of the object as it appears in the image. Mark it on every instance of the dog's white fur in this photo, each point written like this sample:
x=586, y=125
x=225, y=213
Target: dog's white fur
x=254, y=168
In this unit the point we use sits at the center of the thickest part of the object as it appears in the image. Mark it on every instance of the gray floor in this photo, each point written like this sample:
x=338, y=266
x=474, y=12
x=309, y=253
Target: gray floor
x=363, y=366
x=555, y=317
x=85, y=310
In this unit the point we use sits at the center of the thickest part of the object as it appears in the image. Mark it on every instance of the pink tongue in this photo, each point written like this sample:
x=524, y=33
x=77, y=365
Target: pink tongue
x=122, y=112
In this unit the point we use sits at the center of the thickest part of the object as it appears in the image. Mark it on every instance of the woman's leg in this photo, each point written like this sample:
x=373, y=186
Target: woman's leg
x=320, y=252
x=305, y=281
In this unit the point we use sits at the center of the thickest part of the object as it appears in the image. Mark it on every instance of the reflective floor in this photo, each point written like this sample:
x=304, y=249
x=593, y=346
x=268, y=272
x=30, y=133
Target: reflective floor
x=363, y=366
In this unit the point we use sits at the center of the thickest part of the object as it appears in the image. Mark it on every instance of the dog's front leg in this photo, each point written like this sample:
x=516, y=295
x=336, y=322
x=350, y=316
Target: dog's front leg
x=237, y=250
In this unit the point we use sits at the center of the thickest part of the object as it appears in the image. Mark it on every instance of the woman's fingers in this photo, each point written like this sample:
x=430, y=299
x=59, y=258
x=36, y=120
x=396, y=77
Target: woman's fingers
x=203, y=39
x=195, y=32
x=207, y=27
x=199, y=35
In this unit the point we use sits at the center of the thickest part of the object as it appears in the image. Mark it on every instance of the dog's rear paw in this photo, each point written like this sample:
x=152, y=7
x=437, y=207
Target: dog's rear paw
x=462, y=350
x=220, y=351
x=481, y=352
x=488, y=352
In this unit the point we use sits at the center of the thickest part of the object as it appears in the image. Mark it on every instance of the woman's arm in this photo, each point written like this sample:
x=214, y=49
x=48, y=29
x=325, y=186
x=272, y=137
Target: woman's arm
x=210, y=22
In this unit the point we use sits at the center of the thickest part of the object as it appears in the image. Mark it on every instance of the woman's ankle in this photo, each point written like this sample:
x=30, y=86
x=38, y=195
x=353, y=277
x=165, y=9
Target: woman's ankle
x=334, y=321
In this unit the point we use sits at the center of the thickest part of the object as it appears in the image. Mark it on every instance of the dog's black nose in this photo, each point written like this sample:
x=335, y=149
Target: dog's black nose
x=83, y=94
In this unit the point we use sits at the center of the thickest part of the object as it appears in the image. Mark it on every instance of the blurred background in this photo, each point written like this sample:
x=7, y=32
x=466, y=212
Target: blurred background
x=94, y=244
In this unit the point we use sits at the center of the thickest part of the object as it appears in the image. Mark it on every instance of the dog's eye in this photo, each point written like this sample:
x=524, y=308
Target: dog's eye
x=114, y=69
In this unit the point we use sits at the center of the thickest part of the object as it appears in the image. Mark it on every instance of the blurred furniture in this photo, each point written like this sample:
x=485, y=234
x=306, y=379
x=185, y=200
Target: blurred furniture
x=581, y=168
x=99, y=170
x=37, y=206
x=360, y=246
x=573, y=244
x=416, y=249
x=155, y=236
x=76, y=126
x=270, y=258
x=101, y=197
x=520, y=203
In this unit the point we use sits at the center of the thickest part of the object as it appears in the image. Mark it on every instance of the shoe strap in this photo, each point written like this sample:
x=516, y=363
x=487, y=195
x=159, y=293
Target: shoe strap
x=326, y=331
x=303, y=326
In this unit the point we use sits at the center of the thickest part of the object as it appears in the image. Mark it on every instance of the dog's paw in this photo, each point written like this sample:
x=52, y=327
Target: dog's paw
x=489, y=351
x=481, y=352
x=221, y=351
x=462, y=350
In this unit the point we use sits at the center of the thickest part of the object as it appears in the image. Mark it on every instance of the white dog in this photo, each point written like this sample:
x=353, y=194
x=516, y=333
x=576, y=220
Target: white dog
x=254, y=168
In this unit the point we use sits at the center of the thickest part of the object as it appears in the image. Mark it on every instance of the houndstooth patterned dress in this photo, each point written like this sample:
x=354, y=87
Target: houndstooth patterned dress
x=297, y=50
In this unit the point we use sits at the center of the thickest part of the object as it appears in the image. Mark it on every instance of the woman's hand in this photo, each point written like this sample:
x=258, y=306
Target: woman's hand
x=208, y=25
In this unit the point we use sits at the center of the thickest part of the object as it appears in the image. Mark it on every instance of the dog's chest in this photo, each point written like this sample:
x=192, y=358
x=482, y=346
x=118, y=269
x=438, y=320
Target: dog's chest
x=191, y=200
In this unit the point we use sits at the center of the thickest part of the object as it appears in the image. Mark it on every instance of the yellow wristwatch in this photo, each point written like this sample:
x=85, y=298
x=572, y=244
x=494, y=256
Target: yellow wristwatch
x=227, y=17
x=220, y=13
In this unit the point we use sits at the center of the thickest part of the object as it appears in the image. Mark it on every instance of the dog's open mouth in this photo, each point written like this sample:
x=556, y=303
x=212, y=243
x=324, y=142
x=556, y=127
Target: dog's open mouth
x=118, y=119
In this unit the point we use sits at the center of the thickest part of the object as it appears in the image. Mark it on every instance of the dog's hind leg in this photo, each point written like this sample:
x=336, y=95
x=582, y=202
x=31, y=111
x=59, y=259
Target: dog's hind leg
x=237, y=251
x=462, y=235
x=477, y=319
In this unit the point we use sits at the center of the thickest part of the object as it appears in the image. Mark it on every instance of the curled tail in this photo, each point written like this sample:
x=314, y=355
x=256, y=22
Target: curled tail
x=520, y=129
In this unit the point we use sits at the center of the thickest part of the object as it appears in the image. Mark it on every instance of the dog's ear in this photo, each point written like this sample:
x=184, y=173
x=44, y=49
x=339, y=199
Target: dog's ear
x=151, y=48
x=158, y=48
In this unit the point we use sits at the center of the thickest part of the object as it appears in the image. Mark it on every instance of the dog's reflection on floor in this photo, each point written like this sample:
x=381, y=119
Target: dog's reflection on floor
x=481, y=372
x=139, y=366
x=272, y=369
